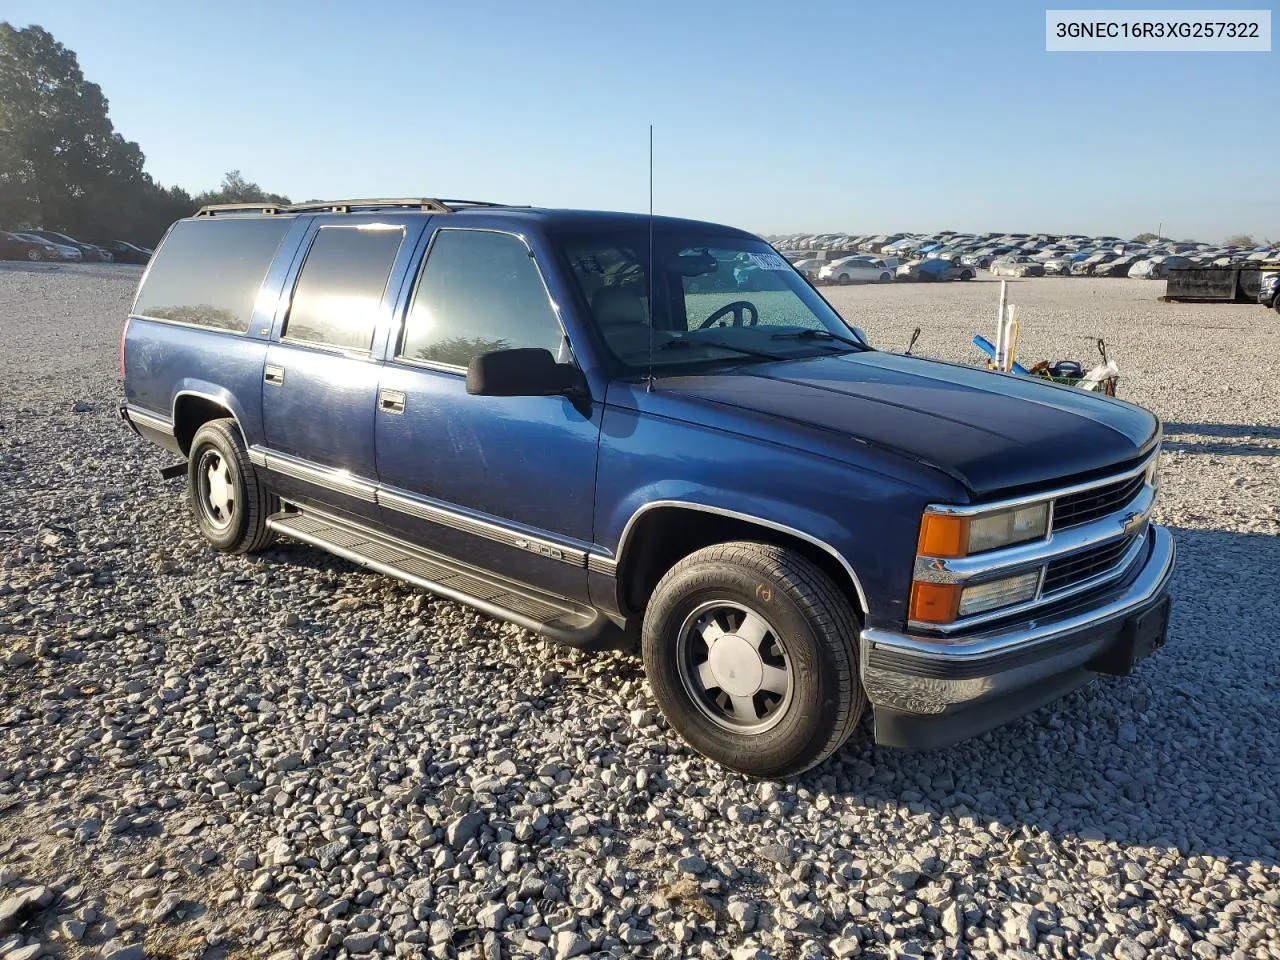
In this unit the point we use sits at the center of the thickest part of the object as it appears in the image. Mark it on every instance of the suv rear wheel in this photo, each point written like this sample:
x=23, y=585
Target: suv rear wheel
x=229, y=504
x=750, y=651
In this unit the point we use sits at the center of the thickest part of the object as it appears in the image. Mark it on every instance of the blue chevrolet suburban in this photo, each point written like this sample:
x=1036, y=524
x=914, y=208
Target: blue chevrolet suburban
x=565, y=419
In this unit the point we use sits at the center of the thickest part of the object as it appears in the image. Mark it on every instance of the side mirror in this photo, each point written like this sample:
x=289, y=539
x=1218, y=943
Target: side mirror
x=521, y=372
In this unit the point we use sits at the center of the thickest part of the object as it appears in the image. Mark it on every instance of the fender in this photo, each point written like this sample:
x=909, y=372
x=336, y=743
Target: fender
x=190, y=387
x=610, y=565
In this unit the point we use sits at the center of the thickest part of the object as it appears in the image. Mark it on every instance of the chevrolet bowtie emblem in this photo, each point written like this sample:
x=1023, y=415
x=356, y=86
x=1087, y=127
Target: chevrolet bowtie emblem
x=1132, y=523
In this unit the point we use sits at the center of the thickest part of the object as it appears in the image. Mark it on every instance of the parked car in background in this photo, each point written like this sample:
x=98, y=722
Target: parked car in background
x=890, y=262
x=1015, y=265
x=62, y=251
x=89, y=252
x=1119, y=267
x=810, y=267
x=1087, y=266
x=124, y=252
x=16, y=247
x=1061, y=264
x=934, y=268
x=855, y=270
x=1156, y=268
x=985, y=256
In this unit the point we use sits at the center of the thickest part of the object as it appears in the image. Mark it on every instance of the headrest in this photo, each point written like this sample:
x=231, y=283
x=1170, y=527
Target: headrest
x=618, y=305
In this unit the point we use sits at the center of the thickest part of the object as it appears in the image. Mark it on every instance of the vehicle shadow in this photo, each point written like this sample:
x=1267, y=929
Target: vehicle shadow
x=28, y=266
x=1223, y=449
x=1243, y=431
x=1180, y=754
x=1237, y=439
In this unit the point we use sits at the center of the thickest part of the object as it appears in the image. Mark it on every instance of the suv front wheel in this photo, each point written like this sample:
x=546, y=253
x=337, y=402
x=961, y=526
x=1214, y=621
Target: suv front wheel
x=750, y=650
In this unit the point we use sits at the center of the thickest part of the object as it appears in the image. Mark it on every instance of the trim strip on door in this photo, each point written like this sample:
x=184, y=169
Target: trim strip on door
x=403, y=501
x=338, y=481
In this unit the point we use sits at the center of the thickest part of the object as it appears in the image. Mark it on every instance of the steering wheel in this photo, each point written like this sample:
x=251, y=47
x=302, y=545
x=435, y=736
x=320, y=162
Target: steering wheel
x=741, y=309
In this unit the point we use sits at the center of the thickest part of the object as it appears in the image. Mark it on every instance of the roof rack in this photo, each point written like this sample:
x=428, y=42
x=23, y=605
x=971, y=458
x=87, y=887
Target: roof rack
x=428, y=204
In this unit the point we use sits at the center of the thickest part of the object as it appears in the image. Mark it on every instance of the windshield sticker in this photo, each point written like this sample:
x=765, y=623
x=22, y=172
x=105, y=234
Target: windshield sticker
x=768, y=261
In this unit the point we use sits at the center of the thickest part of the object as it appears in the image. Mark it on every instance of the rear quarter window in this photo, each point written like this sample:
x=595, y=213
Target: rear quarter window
x=207, y=272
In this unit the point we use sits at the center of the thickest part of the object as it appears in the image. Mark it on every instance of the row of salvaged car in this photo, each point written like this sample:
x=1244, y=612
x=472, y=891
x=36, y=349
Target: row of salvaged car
x=866, y=268
x=39, y=245
x=824, y=257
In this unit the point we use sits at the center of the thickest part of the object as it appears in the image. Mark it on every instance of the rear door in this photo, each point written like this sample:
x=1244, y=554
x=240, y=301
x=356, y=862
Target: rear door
x=503, y=483
x=320, y=380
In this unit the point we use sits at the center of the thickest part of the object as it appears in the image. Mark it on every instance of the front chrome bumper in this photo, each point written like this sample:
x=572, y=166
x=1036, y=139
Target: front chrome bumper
x=928, y=690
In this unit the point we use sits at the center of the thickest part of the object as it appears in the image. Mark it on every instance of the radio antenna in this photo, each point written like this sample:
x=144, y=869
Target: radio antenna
x=652, y=312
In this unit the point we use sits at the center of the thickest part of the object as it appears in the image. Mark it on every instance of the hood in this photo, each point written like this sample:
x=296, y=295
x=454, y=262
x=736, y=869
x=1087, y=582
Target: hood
x=991, y=432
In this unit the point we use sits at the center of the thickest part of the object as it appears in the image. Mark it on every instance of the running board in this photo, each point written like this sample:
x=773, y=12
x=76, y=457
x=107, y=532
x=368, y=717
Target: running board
x=554, y=617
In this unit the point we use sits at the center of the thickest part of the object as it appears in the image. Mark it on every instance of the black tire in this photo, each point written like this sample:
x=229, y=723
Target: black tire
x=218, y=448
x=966, y=274
x=843, y=279
x=34, y=255
x=886, y=277
x=812, y=622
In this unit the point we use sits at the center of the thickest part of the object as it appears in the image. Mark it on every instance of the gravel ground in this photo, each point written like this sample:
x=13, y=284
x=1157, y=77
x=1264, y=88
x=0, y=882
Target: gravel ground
x=282, y=756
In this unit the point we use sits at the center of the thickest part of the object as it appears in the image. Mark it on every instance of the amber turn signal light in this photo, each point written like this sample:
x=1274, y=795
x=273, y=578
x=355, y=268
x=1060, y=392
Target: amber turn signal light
x=943, y=536
x=934, y=602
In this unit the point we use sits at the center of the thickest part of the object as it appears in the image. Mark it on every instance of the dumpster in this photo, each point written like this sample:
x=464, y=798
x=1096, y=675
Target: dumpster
x=1236, y=283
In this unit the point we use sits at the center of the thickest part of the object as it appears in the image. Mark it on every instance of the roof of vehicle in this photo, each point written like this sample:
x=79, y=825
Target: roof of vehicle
x=566, y=220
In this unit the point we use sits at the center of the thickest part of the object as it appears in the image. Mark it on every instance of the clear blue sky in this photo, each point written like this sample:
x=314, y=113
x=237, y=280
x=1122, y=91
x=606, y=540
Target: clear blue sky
x=776, y=116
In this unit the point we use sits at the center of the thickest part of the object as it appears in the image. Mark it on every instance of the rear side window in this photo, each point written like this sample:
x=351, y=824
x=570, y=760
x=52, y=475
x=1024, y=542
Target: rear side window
x=207, y=272
x=339, y=291
x=479, y=291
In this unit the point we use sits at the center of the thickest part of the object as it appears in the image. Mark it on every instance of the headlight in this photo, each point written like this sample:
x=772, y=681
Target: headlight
x=998, y=593
x=947, y=535
x=952, y=536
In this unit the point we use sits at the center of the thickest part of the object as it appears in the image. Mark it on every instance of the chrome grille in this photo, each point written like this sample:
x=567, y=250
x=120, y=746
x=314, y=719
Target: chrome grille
x=1078, y=567
x=1077, y=508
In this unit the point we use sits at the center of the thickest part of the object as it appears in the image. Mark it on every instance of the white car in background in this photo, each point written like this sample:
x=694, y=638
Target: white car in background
x=856, y=270
x=810, y=266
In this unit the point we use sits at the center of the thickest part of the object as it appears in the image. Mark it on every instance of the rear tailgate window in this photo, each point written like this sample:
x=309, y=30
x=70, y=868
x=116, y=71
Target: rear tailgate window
x=207, y=272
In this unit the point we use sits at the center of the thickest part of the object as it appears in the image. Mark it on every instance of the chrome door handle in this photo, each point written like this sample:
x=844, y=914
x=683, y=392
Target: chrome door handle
x=391, y=401
x=272, y=374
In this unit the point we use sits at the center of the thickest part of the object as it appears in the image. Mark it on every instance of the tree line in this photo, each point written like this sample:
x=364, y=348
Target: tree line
x=64, y=167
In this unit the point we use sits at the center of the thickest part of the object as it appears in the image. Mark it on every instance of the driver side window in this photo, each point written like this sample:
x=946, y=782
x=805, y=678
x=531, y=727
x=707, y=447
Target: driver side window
x=479, y=291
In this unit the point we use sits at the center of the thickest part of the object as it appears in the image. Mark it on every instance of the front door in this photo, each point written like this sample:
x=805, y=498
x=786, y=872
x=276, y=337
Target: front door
x=503, y=483
x=320, y=379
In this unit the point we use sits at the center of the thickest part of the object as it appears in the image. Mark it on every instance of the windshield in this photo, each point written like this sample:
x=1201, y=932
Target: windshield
x=717, y=299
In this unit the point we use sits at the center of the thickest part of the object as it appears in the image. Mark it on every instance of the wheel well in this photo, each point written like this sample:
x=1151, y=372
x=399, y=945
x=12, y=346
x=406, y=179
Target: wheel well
x=190, y=413
x=665, y=535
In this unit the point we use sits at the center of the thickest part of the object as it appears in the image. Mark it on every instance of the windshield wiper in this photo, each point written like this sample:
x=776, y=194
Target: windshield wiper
x=699, y=341
x=820, y=335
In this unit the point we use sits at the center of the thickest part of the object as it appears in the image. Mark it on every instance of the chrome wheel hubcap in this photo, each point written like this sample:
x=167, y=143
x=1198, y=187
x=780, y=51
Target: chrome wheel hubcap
x=217, y=489
x=734, y=666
